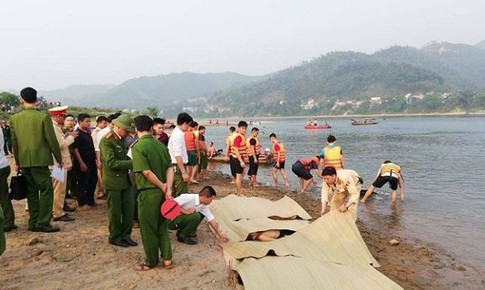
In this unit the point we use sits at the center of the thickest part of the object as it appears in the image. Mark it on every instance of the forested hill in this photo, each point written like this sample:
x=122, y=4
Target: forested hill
x=460, y=65
x=336, y=76
x=440, y=77
x=346, y=82
x=156, y=91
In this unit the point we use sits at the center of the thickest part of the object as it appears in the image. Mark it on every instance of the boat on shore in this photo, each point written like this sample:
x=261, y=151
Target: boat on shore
x=263, y=159
x=366, y=121
x=318, y=127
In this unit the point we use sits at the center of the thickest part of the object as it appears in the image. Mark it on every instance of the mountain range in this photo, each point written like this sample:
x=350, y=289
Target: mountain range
x=438, y=67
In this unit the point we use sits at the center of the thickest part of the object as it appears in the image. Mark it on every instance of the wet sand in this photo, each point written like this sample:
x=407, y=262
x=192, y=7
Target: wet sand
x=79, y=257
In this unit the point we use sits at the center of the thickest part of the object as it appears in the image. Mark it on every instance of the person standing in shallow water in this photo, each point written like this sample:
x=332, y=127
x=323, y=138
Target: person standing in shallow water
x=279, y=155
x=332, y=154
x=388, y=172
x=228, y=155
x=254, y=148
x=154, y=178
x=239, y=153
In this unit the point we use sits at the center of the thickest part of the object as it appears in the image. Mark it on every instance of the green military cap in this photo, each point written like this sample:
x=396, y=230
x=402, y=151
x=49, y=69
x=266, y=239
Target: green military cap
x=125, y=122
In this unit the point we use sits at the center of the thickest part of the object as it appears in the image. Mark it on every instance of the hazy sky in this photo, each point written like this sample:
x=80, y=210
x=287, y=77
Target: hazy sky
x=51, y=44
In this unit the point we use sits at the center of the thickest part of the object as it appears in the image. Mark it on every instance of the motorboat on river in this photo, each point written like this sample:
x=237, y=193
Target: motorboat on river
x=365, y=121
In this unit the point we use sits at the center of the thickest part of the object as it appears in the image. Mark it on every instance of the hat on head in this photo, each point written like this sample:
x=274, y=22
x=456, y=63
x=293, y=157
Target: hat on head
x=56, y=111
x=125, y=122
x=170, y=209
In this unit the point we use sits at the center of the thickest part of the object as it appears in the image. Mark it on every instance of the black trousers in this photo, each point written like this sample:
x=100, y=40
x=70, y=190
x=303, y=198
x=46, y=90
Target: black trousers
x=7, y=146
x=86, y=184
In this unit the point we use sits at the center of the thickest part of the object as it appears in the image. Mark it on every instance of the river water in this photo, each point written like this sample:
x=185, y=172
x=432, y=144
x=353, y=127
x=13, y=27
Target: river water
x=441, y=158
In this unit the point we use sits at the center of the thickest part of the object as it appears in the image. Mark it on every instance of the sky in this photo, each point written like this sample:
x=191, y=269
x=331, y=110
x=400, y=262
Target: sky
x=51, y=44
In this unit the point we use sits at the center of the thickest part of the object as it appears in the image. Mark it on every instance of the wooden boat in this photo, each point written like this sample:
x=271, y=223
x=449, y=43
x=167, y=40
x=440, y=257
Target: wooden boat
x=313, y=127
x=366, y=121
x=263, y=159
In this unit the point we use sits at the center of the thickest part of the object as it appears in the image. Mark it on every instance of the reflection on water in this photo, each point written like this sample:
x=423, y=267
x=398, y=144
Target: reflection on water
x=442, y=161
x=389, y=218
x=397, y=210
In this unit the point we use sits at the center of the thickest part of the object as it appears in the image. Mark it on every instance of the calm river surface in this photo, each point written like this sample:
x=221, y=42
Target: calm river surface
x=442, y=160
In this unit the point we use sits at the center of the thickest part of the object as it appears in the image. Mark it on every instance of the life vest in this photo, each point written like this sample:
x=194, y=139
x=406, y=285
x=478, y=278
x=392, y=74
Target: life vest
x=282, y=152
x=241, y=148
x=257, y=147
x=333, y=157
x=391, y=168
x=189, y=140
x=307, y=162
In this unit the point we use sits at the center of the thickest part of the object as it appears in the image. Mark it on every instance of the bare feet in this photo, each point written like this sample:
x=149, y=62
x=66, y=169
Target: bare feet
x=85, y=207
x=143, y=267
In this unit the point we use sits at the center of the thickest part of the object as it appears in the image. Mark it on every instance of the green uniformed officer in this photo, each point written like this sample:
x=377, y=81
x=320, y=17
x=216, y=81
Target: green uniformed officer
x=154, y=178
x=2, y=235
x=34, y=141
x=117, y=183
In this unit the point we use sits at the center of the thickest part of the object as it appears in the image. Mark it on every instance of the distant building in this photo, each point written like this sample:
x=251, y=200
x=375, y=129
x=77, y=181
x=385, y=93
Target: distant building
x=309, y=104
x=376, y=100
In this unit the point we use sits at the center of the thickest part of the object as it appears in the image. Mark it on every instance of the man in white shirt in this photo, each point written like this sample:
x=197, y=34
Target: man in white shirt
x=178, y=154
x=101, y=123
x=340, y=190
x=194, y=208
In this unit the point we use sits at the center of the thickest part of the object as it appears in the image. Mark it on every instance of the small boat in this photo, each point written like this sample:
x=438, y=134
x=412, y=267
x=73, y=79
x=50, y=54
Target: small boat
x=313, y=127
x=263, y=159
x=366, y=121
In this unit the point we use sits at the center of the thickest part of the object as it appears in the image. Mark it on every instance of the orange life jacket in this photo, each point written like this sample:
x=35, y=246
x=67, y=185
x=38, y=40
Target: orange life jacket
x=333, y=157
x=190, y=140
x=282, y=152
x=241, y=148
x=257, y=147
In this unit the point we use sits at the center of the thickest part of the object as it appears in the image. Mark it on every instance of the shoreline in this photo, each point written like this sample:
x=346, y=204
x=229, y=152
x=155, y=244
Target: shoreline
x=273, y=119
x=413, y=264
x=80, y=257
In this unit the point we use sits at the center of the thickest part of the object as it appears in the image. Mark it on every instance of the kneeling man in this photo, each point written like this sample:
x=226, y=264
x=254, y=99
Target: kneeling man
x=194, y=208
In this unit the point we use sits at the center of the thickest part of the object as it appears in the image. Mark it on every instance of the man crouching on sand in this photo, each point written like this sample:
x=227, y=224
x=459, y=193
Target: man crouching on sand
x=340, y=190
x=194, y=208
x=154, y=178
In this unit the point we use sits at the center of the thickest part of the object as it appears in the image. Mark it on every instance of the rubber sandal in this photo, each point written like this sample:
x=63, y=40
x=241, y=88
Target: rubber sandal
x=143, y=267
x=167, y=264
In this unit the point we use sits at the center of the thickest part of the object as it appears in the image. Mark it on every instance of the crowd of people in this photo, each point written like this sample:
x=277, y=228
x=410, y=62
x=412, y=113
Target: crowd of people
x=137, y=166
x=341, y=187
x=131, y=162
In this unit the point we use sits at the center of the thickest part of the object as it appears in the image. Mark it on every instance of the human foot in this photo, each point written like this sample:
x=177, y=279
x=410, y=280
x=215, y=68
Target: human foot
x=143, y=267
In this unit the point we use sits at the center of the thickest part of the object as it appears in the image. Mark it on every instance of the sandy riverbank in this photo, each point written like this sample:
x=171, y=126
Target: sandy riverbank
x=80, y=257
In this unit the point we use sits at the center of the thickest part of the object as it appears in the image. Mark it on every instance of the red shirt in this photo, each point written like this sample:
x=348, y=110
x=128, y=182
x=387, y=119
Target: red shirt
x=237, y=141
